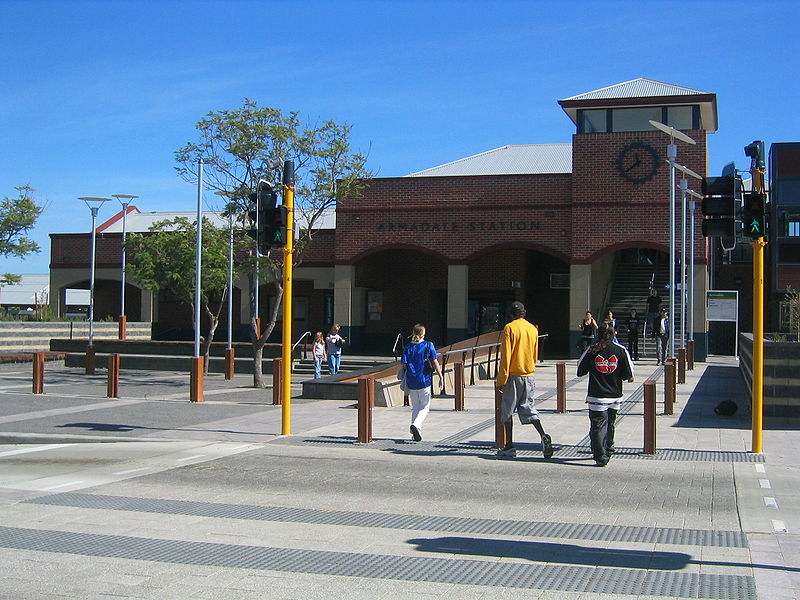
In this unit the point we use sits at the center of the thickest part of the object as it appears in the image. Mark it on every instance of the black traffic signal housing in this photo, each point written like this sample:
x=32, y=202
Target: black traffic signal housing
x=754, y=215
x=722, y=198
x=275, y=228
x=264, y=214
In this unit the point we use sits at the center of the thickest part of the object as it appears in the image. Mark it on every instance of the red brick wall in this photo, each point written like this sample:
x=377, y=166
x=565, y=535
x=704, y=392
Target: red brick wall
x=456, y=218
x=610, y=212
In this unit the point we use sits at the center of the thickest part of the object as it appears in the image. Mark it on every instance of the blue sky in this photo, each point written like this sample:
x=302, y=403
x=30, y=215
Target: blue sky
x=97, y=96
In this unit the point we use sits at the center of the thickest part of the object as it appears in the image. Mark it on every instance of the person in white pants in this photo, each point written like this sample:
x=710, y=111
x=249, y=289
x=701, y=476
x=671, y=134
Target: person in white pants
x=420, y=361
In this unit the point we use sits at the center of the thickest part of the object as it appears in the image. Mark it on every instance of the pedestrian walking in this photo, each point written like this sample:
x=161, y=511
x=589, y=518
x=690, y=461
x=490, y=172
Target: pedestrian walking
x=519, y=351
x=634, y=331
x=608, y=365
x=662, y=336
x=420, y=361
x=653, y=306
x=588, y=327
x=319, y=353
x=334, y=343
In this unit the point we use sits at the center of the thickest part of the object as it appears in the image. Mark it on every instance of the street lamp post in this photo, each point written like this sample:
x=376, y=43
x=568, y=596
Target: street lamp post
x=684, y=187
x=196, y=378
x=229, y=352
x=124, y=200
x=94, y=205
x=672, y=155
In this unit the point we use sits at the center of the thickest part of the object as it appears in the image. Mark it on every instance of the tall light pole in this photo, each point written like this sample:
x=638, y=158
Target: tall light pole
x=672, y=154
x=692, y=207
x=94, y=204
x=196, y=380
x=124, y=200
x=229, y=352
x=684, y=187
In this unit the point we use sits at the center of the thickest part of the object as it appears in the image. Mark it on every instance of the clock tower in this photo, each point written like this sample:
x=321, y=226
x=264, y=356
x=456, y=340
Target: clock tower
x=620, y=182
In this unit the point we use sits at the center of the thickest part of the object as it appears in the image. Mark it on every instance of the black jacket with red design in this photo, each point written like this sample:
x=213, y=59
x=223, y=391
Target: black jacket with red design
x=607, y=369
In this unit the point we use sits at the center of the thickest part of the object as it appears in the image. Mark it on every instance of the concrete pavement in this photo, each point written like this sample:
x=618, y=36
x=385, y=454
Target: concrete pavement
x=210, y=501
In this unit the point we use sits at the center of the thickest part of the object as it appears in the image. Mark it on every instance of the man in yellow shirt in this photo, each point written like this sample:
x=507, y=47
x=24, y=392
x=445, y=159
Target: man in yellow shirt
x=519, y=351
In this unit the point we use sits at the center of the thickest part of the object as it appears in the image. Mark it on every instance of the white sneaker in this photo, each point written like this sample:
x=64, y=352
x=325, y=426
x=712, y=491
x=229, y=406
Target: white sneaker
x=507, y=452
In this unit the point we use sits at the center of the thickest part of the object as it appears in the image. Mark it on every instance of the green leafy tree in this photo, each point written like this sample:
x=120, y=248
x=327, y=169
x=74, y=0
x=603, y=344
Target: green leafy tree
x=164, y=259
x=17, y=217
x=242, y=146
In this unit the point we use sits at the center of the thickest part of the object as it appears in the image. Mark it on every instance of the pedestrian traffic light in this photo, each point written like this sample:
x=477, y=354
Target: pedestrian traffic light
x=721, y=202
x=754, y=215
x=275, y=231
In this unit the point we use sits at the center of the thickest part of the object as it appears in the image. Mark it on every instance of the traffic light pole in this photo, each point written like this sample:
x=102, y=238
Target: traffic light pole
x=288, y=259
x=758, y=343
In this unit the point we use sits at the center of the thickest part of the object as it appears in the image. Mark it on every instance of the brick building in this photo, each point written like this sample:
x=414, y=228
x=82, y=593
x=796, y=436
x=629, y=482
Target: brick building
x=553, y=225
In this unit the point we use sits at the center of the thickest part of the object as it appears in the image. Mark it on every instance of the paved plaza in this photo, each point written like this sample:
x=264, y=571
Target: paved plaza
x=150, y=496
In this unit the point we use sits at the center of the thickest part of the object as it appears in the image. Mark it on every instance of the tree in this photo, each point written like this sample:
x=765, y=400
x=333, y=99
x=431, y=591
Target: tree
x=164, y=259
x=17, y=217
x=242, y=146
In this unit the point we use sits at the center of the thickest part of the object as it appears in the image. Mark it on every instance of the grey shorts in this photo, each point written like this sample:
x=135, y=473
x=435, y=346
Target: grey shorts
x=518, y=398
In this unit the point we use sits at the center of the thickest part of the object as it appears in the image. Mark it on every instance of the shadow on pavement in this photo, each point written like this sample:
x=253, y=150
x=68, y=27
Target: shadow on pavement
x=548, y=552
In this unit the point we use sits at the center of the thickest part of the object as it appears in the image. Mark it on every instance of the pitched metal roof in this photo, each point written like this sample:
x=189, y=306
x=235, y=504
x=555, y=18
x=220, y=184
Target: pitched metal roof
x=638, y=88
x=514, y=159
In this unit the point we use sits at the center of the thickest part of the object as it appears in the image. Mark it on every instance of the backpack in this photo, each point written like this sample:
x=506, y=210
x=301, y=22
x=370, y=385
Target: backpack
x=726, y=408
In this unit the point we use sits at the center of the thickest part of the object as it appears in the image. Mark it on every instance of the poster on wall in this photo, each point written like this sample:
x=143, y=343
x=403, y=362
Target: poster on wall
x=374, y=305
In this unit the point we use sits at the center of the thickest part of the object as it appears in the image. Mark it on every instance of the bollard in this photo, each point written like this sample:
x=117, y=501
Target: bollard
x=649, y=417
x=38, y=373
x=669, y=385
x=123, y=328
x=366, y=396
x=500, y=438
x=681, y=365
x=561, y=387
x=277, y=381
x=112, y=389
x=230, y=362
x=690, y=355
x=458, y=376
x=196, y=379
x=89, y=359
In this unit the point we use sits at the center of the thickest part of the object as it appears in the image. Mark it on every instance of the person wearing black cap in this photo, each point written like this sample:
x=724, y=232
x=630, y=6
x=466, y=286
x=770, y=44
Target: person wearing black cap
x=519, y=351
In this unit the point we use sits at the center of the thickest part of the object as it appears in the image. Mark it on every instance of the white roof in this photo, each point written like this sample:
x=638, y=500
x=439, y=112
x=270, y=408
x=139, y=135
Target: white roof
x=515, y=159
x=33, y=287
x=638, y=88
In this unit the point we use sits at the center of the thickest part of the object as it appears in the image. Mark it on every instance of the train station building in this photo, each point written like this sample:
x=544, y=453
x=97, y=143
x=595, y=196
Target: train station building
x=564, y=227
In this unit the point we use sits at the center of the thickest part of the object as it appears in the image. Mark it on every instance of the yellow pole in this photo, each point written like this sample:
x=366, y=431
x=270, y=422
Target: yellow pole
x=288, y=201
x=758, y=343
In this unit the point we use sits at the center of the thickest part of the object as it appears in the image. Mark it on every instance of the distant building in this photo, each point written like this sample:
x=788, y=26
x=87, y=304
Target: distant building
x=563, y=227
x=23, y=298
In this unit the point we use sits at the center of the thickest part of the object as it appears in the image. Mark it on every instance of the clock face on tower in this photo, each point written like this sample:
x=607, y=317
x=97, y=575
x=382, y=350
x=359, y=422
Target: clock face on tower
x=637, y=162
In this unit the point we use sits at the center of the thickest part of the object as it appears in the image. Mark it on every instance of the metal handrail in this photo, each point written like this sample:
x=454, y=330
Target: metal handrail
x=297, y=343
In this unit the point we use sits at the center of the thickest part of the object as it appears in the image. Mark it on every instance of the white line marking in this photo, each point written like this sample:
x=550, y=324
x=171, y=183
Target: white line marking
x=190, y=457
x=61, y=485
x=131, y=471
x=764, y=483
x=760, y=469
x=779, y=526
x=34, y=449
x=770, y=502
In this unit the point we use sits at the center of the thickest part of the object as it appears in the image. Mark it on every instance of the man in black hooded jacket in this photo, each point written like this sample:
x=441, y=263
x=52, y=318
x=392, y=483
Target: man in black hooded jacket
x=607, y=364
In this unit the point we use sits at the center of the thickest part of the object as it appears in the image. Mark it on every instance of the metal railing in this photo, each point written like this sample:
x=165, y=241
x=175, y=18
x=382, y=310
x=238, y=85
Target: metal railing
x=297, y=343
x=398, y=340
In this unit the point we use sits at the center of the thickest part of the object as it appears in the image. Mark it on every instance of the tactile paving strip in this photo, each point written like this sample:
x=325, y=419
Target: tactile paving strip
x=638, y=580
x=586, y=531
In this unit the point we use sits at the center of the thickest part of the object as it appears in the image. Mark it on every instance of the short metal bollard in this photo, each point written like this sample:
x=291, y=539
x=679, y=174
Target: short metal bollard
x=196, y=379
x=366, y=400
x=669, y=386
x=277, y=381
x=649, y=417
x=561, y=387
x=230, y=363
x=38, y=373
x=112, y=388
x=681, y=365
x=90, y=360
x=458, y=379
x=500, y=438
